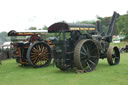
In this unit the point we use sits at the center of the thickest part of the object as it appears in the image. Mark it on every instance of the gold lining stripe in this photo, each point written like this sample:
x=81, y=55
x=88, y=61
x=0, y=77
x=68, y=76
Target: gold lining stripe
x=82, y=28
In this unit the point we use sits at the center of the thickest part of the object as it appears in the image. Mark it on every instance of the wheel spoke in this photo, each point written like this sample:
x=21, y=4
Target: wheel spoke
x=89, y=66
x=82, y=53
x=33, y=55
x=34, y=49
x=83, y=57
x=87, y=48
x=91, y=62
x=38, y=59
x=32, y=58
x=34, y=61
x=42, y=47
x=92, y=56
x=84, y=49
x=44, y=57
x=39, y=47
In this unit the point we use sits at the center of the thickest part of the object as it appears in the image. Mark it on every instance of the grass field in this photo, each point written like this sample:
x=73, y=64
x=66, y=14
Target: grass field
x=12, y=74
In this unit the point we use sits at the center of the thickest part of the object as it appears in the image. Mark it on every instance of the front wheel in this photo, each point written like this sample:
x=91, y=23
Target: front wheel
x=113, y=55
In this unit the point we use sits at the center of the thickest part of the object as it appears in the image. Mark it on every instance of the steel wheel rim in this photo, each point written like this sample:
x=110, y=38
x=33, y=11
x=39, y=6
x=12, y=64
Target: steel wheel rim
x=88, y=57
x=113, y=56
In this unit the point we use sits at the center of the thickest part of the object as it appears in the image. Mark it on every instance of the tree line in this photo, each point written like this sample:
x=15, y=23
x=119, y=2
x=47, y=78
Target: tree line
x=121, y=25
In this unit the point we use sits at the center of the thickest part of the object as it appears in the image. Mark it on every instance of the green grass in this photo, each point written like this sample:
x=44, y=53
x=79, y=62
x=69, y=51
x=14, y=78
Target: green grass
x=12, y=74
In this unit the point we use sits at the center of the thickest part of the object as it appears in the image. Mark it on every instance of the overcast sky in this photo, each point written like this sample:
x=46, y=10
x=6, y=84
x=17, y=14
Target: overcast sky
x=22, y=14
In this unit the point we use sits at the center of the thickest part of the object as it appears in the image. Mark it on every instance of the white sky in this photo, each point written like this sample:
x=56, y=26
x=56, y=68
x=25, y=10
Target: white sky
x=22, y=14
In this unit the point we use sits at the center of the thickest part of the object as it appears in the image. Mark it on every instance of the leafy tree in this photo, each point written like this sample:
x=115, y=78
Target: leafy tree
x=32, y=28
x=45, y=27
x=122, y=25
x=88, y=22
x=4, y=37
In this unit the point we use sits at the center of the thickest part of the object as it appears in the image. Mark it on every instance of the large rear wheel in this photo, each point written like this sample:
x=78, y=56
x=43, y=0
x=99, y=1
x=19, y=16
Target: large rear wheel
x=86, y=55
x=39, y=54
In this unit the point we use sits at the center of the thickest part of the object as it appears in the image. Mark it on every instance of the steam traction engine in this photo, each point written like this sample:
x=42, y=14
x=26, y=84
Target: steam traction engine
x=81, y=45
x=33, y=50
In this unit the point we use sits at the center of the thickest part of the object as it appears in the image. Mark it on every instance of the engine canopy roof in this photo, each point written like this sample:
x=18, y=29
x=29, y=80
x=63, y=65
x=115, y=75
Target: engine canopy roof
x=62, y=26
